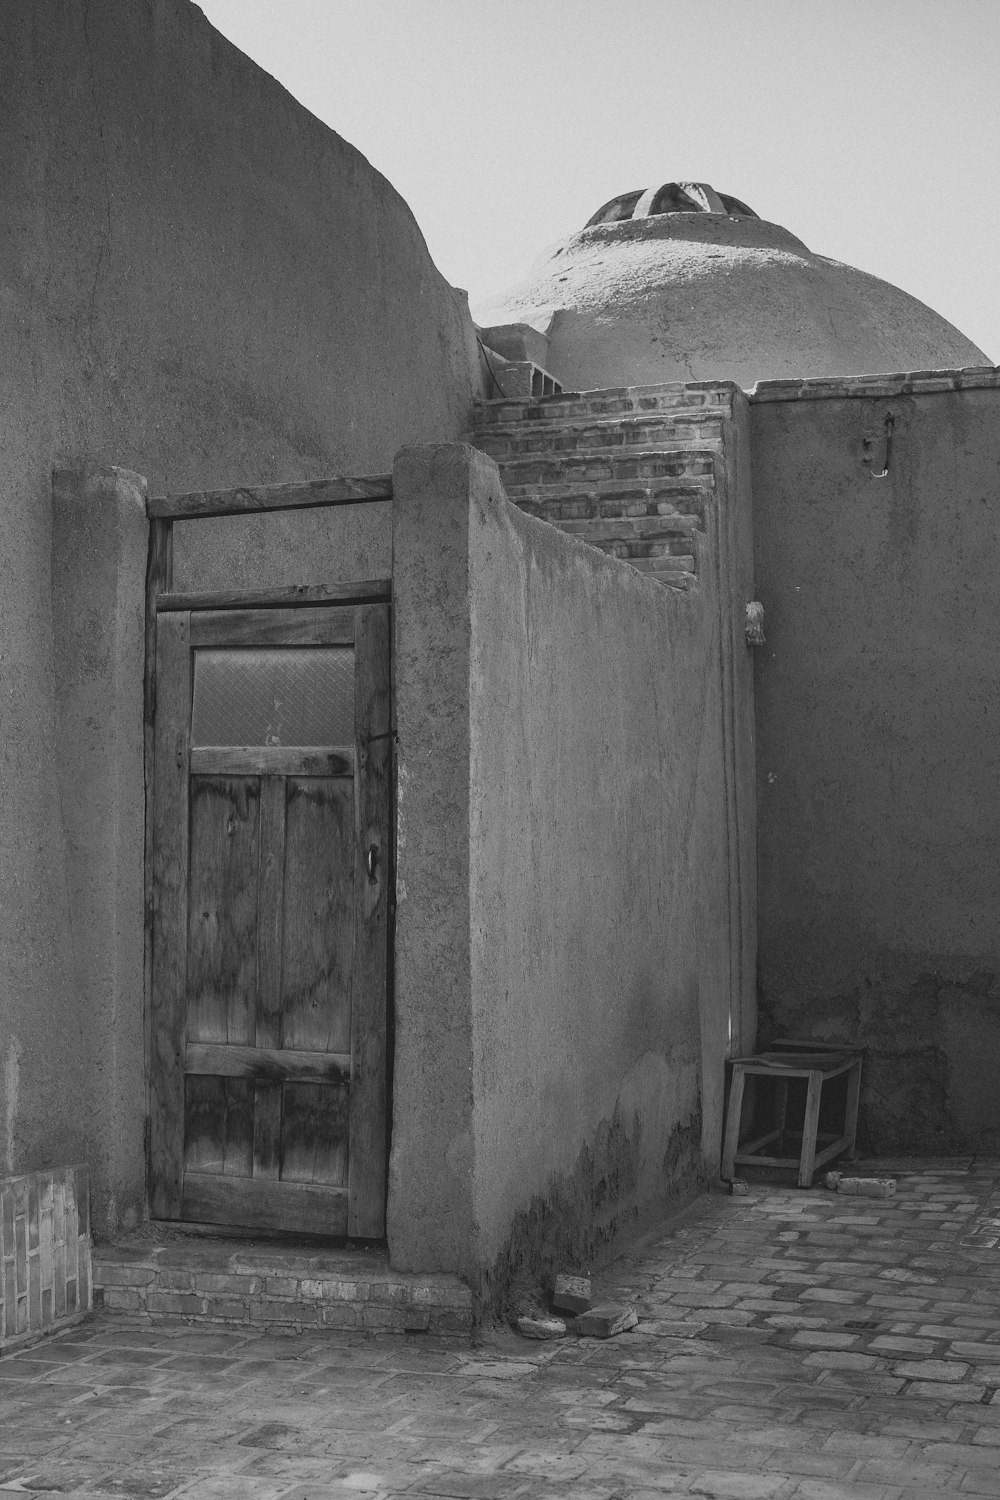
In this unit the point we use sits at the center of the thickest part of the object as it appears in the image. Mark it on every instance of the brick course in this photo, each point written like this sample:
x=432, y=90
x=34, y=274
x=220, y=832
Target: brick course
x=630, y=471
x=45, y=1258
x=237, y=1283
x=909, y=383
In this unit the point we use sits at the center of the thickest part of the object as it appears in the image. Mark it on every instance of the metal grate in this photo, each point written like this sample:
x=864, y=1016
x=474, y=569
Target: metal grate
x=276, y=695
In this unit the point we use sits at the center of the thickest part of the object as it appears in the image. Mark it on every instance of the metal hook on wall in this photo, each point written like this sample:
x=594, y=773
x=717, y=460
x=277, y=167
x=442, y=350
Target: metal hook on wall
x=890, y=423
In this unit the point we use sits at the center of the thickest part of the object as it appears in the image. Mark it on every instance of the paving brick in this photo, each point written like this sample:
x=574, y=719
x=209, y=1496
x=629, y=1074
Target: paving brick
x=980, y=1482
x=829, y=1294
x=893, y=1344
x=930, y=1390
x=815, y=1339
x=841, y=1359
x=931, y=1369
x=719, y=1482
x=685, y=1405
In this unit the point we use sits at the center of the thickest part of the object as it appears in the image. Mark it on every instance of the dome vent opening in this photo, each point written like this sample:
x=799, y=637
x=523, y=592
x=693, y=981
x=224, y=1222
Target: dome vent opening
x=616, y=209
x=669, y=198
x=675, y=198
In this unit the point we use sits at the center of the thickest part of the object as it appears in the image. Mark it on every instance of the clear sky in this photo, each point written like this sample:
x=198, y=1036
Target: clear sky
x=870, y=128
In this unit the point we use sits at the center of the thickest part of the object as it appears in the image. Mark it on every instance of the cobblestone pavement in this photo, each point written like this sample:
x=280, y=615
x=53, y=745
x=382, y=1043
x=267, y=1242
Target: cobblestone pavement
x=800, y=1345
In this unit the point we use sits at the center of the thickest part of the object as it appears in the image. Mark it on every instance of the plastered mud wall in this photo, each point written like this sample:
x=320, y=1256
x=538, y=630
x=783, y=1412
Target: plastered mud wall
x=200, y=283
x=603, y=898
x=879, y=742
x=564, y=982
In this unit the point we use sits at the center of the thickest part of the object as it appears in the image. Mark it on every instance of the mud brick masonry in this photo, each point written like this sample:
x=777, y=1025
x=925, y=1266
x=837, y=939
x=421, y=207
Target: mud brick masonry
x=273, y=1286
x=44, y=1253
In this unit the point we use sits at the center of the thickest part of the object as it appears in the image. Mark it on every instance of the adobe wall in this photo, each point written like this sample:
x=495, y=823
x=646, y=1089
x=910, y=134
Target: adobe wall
x=201, y=283
x=564, y=968
x=879, y=741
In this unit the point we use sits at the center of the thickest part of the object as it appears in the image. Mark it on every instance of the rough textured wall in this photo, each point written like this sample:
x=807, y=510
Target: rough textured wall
x=564, y=963
x=200, y=282
x=429, y=1218
x=879, y=743
x=603, y=903
x=99, y=540
x=337, y=545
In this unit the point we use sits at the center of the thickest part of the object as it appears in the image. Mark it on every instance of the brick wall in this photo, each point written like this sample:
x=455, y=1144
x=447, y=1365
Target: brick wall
x=277, y=1288
x=45, y=1278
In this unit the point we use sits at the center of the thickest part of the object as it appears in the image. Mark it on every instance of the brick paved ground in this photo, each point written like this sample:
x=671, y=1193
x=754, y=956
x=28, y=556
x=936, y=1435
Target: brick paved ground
x=795, y=1345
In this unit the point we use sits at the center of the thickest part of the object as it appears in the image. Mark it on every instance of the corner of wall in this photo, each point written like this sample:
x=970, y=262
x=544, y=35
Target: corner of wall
x=430, y=1217
x=98, y=559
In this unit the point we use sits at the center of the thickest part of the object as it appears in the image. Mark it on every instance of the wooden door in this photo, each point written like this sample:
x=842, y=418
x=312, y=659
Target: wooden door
x=270, y=892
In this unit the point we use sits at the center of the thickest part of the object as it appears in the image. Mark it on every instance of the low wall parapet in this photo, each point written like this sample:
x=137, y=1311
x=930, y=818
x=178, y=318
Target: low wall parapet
x=45, y=1265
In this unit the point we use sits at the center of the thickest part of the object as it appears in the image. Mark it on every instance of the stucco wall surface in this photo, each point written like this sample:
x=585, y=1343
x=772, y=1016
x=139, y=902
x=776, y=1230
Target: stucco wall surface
x=602, y=903
x=564, y=943
x=430, y=1199
x=201, y=283
x=99, y=536
x=879, y=748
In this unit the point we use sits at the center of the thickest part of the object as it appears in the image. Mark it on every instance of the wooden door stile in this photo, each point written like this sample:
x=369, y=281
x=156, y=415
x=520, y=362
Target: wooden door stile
x=170, y=886
x=270, y=928
x=367, y=1182
x=159, y=578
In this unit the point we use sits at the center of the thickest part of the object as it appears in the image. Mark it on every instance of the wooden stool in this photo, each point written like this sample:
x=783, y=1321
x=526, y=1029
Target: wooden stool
x=787, y=1061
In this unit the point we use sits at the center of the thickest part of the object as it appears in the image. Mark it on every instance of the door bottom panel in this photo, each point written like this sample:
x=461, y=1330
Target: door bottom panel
x=257, y=1203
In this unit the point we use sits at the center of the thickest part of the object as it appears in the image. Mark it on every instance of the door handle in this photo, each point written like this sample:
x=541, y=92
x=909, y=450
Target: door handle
x=371, y=862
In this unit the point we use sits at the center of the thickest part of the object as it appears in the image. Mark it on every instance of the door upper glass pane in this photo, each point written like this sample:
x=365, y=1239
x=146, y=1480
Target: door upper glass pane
x=273, y=695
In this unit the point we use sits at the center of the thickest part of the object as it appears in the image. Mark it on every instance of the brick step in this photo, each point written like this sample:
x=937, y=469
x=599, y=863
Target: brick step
x=585, y=515
x=586, y=505
x=662, y=491
x=679, y=529
x=162, y=1275
x=618, y=400
x=696, y=428
x=602, y=464
x=633, y=549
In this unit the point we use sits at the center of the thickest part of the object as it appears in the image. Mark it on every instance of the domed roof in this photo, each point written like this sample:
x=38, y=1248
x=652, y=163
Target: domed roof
x=679, y=282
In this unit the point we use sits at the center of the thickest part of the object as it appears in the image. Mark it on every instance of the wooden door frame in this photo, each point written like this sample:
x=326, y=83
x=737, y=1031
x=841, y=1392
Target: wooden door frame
x=161, y=597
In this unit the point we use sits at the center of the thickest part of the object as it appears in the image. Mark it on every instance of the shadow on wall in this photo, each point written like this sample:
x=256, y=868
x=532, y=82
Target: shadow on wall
x=931, y=1056
x=583, y=1215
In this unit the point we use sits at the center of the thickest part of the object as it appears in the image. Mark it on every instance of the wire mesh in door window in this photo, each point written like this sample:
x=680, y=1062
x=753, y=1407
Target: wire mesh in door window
x=273, y=695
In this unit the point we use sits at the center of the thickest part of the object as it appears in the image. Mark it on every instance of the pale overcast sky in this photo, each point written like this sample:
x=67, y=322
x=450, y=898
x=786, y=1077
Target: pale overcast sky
x=869, y=128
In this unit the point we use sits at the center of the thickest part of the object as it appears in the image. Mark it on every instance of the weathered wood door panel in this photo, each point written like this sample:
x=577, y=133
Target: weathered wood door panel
x=270, y=862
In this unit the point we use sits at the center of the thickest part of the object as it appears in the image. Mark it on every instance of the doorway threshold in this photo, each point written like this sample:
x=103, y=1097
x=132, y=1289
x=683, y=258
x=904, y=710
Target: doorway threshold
x=162, y=1273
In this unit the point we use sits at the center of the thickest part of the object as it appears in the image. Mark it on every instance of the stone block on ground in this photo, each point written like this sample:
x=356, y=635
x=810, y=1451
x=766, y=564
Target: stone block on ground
x=540, y=1327
x=861, y=1187
x=572, y=1293
x=605, y=1321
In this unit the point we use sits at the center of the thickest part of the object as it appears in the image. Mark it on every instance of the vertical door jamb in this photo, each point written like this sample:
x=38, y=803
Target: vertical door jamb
x=159, y=580
x=170, y=881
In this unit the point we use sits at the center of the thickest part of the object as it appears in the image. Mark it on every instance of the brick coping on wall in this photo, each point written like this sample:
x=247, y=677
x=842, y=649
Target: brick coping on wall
x=911, y=383
x=818, y=388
